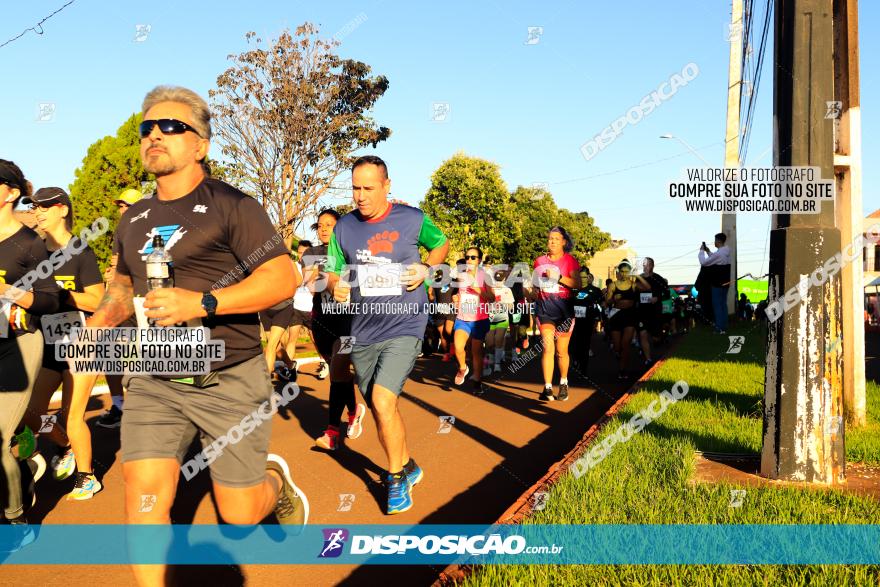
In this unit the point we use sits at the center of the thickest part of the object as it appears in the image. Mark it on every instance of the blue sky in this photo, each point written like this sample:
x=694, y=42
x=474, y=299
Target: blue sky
x=527, y=107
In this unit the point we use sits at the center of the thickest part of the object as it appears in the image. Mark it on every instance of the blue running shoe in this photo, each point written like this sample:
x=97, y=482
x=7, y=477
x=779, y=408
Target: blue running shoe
x=413, y=473
x=399, y=498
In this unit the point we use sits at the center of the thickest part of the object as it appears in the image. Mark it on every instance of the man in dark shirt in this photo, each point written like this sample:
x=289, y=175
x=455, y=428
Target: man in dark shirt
x=225, y=252
x=587, y=310
x=650, y=308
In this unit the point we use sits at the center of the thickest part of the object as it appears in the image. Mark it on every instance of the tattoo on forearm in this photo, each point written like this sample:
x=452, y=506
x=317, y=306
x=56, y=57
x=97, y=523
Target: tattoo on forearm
x=116, y=305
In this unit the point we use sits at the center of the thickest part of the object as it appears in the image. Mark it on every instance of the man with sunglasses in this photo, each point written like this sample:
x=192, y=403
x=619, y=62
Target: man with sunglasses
x=215, y=234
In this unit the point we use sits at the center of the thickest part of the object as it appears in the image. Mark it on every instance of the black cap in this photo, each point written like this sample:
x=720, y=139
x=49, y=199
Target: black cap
x=11, y=175
x=48, y=196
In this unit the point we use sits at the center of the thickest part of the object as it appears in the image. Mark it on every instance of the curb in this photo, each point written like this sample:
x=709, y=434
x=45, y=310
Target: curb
x=454, y=573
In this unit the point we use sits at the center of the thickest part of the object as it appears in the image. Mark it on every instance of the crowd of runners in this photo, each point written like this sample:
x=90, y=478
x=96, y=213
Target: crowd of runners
x=482, y=316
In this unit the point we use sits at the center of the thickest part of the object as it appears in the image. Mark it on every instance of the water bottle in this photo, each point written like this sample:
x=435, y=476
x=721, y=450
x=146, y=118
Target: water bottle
x=159, y=271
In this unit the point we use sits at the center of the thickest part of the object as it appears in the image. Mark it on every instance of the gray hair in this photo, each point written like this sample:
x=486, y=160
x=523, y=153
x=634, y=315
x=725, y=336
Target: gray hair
x=201, y=114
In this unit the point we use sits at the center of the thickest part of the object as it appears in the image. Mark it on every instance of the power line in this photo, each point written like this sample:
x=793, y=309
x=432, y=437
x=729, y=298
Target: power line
x=636, y=166
x=753, y=68
x=37, y=28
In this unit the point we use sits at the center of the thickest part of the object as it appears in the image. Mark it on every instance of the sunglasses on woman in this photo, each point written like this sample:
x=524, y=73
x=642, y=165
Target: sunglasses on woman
x=471, y=257
x=45, y=206
x=168, y=126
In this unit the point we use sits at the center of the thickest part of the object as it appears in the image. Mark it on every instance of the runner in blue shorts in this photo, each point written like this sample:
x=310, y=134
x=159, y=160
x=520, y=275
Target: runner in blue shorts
x=473, y=299
x=373, y=262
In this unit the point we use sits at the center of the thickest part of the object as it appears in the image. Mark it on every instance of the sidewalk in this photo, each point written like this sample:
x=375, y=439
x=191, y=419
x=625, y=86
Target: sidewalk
x=498, y=446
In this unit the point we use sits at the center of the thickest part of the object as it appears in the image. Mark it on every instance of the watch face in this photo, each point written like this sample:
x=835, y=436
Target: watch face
x=209, y=302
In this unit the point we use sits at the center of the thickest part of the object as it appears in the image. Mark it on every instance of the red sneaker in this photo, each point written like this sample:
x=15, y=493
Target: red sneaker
x=330, y=440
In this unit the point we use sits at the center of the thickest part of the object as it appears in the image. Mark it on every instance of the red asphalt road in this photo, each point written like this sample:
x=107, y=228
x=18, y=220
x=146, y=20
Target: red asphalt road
x=500, y=444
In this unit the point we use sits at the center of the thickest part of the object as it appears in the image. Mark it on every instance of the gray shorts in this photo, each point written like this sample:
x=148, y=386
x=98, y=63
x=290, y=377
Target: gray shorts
x=161, y=419
x=387, y=363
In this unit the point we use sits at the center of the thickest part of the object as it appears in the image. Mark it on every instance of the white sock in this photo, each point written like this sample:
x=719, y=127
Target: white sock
x=117, y=401
x=563, y=381
x=499, y=356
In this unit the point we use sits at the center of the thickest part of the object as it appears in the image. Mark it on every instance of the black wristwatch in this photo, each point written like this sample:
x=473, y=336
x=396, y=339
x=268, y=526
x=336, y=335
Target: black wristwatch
x=209, y=304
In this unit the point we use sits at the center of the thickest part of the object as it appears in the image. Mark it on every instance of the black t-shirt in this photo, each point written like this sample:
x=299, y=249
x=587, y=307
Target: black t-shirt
x=588, y=298
x=80, y=272
x=338, y=324
x=443, y=300
x=20, y=254
x=216, y=236
x=659, y=290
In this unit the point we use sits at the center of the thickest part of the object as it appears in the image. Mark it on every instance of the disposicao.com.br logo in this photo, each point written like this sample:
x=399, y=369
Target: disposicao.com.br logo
x=393, y=544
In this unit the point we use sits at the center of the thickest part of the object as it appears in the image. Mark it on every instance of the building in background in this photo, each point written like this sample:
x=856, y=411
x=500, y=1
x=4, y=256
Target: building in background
x=603, y=264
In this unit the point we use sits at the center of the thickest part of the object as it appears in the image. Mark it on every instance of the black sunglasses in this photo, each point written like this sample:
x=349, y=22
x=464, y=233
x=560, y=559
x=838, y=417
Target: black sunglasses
x=471, y=257
x=168, y=126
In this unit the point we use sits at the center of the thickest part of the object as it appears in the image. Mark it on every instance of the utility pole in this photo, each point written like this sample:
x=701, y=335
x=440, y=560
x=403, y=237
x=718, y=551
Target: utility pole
x=731, y=135
x=848, y=185
x=803, y=387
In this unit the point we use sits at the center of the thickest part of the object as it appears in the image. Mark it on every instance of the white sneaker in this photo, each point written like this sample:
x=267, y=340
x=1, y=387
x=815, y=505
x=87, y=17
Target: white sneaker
x=37, y=465
x=323, y=371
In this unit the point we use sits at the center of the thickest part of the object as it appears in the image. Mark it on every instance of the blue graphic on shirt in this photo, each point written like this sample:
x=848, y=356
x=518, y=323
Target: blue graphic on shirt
x=170, y=233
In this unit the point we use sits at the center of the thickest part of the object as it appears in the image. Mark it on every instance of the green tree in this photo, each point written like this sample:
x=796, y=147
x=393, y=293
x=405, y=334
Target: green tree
x=469, y=202
x=587, y=237
x=111, y=165
x=536, y=212
x=290, y=114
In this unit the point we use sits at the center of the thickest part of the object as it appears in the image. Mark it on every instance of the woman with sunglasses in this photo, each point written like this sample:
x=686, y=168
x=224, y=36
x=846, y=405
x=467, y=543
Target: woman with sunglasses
x=327, y=332
x=81, y=288
x=472, y=321
x=621, y=298
x=558, y=275
x=24, y=297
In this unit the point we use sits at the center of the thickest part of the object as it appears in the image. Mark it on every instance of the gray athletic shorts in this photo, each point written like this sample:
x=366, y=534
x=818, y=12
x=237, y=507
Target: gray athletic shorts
x=161, y=418
x=387, y=363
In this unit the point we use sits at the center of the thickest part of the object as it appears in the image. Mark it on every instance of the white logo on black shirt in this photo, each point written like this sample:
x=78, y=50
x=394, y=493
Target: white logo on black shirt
x=200, y=208
x=143, y=214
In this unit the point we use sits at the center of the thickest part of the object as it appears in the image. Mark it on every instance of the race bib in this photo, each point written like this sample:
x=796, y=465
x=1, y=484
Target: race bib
x=548, y=286
x=469, y=302
x=57, y=326
x=380, y=280
x=580, y=311
x=645, y=298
